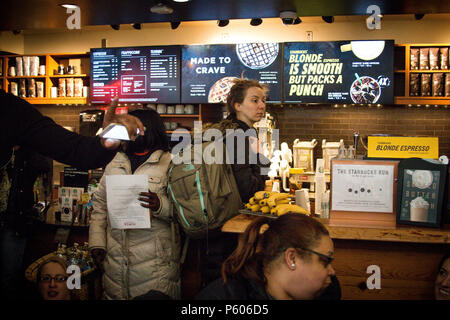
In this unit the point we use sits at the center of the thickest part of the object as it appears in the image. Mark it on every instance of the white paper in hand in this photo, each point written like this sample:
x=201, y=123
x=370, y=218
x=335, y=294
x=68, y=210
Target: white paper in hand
x=124, y=208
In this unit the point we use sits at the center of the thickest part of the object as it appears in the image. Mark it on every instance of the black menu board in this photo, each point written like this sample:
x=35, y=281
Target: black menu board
x=136, y=74
x=208, y=71
x=360, y=72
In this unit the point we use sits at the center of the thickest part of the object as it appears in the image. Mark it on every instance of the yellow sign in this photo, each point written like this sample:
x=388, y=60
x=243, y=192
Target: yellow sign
x=403, y=147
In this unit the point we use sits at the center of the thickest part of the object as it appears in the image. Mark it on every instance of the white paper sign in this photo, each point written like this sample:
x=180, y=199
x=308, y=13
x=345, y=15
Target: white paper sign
x=124, y=208
x=363, y=188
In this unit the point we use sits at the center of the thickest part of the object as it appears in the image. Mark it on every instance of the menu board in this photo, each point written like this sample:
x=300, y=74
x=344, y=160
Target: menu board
x=208, y=71
x=136, y=74
x=360, y=72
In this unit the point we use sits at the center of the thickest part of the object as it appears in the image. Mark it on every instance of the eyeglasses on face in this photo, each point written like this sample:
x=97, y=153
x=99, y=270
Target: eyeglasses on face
x=57, y=278
x=327, y=260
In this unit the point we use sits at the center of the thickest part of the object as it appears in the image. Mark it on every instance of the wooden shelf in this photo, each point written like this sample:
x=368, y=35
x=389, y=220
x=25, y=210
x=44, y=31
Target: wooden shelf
x=25, y=77
x=69, y=76
x=404, y=72
x=67, y=100
x=179, y=115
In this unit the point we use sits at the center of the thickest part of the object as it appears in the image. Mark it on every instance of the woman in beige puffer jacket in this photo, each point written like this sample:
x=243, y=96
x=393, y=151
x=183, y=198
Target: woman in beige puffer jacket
x=138, y=260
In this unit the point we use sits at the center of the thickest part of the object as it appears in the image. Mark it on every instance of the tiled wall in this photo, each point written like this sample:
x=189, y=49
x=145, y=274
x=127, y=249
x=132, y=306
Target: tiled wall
x=330, y=123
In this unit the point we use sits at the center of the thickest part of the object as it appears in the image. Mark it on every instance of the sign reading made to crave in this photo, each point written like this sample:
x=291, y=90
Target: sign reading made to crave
x=360, y=72
x=208, y=71
x=403, y=147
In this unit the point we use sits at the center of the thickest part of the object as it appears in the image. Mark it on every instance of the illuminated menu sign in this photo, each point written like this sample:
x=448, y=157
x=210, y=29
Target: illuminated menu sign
x=359, y=72
x=136, y=74
x=208, y=71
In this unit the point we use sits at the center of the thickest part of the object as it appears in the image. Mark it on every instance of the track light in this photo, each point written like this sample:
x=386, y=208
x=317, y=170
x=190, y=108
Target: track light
x=419, y=16
x=115, y=26
x=16, y=32
x=256, y=22
x=328, y=19
x=289, y=17
x=137, y=26
x=297, y=21
x=174, y=25
x=223, y=23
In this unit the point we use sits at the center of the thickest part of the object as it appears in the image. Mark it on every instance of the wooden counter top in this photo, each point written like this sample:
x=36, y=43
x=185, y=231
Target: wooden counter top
x=412, y=234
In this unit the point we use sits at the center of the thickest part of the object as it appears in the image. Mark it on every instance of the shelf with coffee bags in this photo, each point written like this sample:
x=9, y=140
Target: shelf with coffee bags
x=32, y=77
x=422, y=74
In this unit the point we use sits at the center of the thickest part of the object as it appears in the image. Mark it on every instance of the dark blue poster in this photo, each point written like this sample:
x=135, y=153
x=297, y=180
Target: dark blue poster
x=360, y=72
x=208, y=71
x=136, y=74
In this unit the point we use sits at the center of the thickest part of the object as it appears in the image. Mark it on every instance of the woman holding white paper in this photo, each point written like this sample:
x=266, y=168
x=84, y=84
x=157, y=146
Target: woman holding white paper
x=136, y=261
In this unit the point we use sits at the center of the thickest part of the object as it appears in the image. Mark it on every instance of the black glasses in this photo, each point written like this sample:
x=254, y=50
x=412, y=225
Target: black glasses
x=326, y=259
x=57, y=278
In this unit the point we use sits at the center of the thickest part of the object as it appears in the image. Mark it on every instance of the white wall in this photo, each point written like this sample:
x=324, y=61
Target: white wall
x=401, y=28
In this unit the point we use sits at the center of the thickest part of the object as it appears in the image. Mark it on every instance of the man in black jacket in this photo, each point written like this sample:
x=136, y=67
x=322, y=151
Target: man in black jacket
x=25, y=129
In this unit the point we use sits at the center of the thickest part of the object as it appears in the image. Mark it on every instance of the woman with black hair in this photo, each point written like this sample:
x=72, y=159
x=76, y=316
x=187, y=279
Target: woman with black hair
x=136, y=261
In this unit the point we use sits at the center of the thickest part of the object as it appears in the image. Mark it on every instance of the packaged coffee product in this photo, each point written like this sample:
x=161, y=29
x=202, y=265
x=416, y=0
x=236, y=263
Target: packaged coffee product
x=424, y=58
x=22, y=88
x=40, y=89
x=444, y=58
x=425, y=84
x=14, y=88
x=414, y=58
x=31, y=88
x=34, y=66
x=434, y=58
x=414, y=87
x=26, y=66
x=69, y=87
x=78, y=87
x=447, y=84
x=61, y=87
x=19, y=66
x=437, y=86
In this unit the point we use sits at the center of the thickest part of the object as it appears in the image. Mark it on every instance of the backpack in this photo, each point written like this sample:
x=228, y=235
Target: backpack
x=205, y=195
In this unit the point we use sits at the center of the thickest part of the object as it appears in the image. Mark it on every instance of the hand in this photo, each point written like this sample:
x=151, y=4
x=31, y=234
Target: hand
x=132, y=123
x=151, y=200
x=98, y=255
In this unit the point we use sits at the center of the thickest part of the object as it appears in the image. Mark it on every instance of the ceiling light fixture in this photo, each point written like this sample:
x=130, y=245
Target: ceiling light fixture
x=181, y=0
x=223, y=23
x=328, y=19
x=174, y=25
x=419, y=16
x=256, y=22
x=16, y=32
x=69, y=6
x=137, y=26
x=115, y=26
x=297, y=20
x=161, y=9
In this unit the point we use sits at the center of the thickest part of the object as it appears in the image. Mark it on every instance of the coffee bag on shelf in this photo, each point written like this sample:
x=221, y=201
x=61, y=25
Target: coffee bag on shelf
x=14, y=88
x=78, y=87
x=425, y=88
x=424, y=58
x=434, y=58
x=34, y=66
x=22, y=88
x=61, y=87
x=40, y=89
x=437, y=86
x=19, y=67
x=26, y=66
x=444, y=58
x=414, y=87
x=69, y=87
x=414, y=58
x=31, y=88
x=447, y=84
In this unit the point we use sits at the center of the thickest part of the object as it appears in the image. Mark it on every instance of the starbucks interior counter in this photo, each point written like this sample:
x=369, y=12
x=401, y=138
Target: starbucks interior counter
x=407, y=258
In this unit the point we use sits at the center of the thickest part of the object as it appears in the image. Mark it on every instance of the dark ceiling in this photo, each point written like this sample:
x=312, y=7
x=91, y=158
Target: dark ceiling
x=47, y=14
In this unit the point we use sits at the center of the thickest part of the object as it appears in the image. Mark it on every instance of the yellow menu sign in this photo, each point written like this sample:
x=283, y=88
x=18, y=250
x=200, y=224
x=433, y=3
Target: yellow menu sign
x=403, y=147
